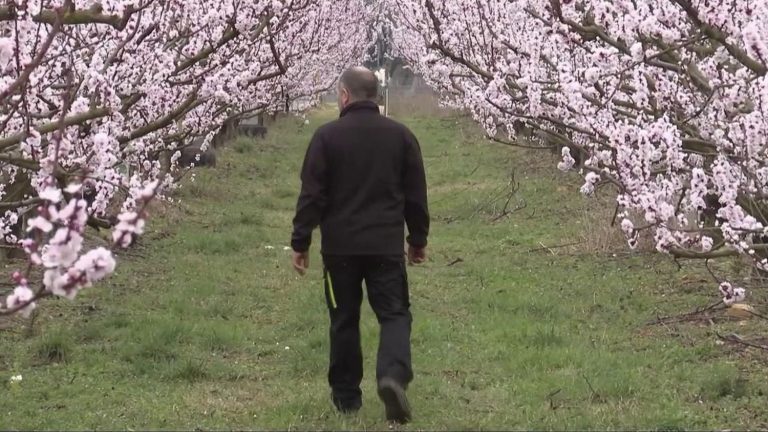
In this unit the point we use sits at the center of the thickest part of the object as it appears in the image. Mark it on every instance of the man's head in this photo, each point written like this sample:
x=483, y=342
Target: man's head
x=357, y=84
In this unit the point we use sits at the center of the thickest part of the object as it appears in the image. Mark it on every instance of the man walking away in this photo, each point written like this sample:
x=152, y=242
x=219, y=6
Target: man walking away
x=362, y=181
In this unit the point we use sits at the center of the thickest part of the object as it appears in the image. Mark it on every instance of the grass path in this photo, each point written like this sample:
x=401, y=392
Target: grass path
x=206, y=326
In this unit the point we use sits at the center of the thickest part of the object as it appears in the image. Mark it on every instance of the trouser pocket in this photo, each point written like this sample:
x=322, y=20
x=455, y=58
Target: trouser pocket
x=342, y=280
x=387, y=283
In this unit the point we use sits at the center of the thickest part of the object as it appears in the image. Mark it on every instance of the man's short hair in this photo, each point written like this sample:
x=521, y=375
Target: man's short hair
x=361, y=83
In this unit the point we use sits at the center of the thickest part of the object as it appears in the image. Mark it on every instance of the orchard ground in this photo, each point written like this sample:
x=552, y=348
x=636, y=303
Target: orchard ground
x=207, y=326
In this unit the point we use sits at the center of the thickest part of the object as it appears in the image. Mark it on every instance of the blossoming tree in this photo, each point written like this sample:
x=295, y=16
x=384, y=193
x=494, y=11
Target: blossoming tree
x=665, y=99
x=98, y=97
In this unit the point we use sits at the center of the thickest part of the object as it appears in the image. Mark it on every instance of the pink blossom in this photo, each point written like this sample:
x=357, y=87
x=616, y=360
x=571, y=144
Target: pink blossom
x=6, y=51
x=97, y=264
x=150, y=190
x=628, y=227
x=732, y=294
x=129, y=226
x=63, y=249
x=73, y=188
x=589, y=183
x=21, y=295
x=101, y=139
x=568, y=161
x=51, y=194
x=74, y=214
x=39, y=223
x=60, y=284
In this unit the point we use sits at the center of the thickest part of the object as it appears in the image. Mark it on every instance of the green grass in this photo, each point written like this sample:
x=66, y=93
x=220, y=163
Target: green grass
x=204, y=326
x=54, y=347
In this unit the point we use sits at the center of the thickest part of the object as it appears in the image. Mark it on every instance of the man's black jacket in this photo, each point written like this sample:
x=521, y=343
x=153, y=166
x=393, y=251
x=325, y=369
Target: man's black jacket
x=362, y=181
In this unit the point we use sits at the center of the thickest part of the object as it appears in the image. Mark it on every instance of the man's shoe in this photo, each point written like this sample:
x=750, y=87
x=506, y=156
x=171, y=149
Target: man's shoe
x=395, y=402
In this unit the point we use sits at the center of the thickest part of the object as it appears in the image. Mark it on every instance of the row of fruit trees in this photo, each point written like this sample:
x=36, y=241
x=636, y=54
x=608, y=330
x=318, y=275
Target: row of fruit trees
x=665, y=100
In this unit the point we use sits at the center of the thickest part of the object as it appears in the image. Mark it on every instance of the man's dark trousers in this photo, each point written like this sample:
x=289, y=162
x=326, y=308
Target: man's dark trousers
x=386, y=282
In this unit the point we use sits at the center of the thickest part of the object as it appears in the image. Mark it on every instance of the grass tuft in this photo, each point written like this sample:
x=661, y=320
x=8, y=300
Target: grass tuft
x=55, y=346
x=725, y=383
x=189, y=370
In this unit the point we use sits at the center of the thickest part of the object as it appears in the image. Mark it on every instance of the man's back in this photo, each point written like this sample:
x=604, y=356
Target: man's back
x=362, y=178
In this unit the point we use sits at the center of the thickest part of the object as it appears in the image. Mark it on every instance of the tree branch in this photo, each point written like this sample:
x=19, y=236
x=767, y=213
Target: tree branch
x=52, y=126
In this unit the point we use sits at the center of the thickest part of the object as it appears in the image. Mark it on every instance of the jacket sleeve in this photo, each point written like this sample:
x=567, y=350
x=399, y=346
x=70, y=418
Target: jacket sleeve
x=313, y=196
x=415, y=183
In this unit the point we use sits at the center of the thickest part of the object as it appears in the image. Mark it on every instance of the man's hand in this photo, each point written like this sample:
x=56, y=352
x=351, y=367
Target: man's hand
x=301, y=262
x=416, y=255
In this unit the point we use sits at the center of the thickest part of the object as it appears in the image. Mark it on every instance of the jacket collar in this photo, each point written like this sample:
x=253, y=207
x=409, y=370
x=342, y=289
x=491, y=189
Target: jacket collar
x=365, y=105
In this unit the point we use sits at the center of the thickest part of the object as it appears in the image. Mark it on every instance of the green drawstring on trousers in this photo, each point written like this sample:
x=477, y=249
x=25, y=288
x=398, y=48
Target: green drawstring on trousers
x=330, y=288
